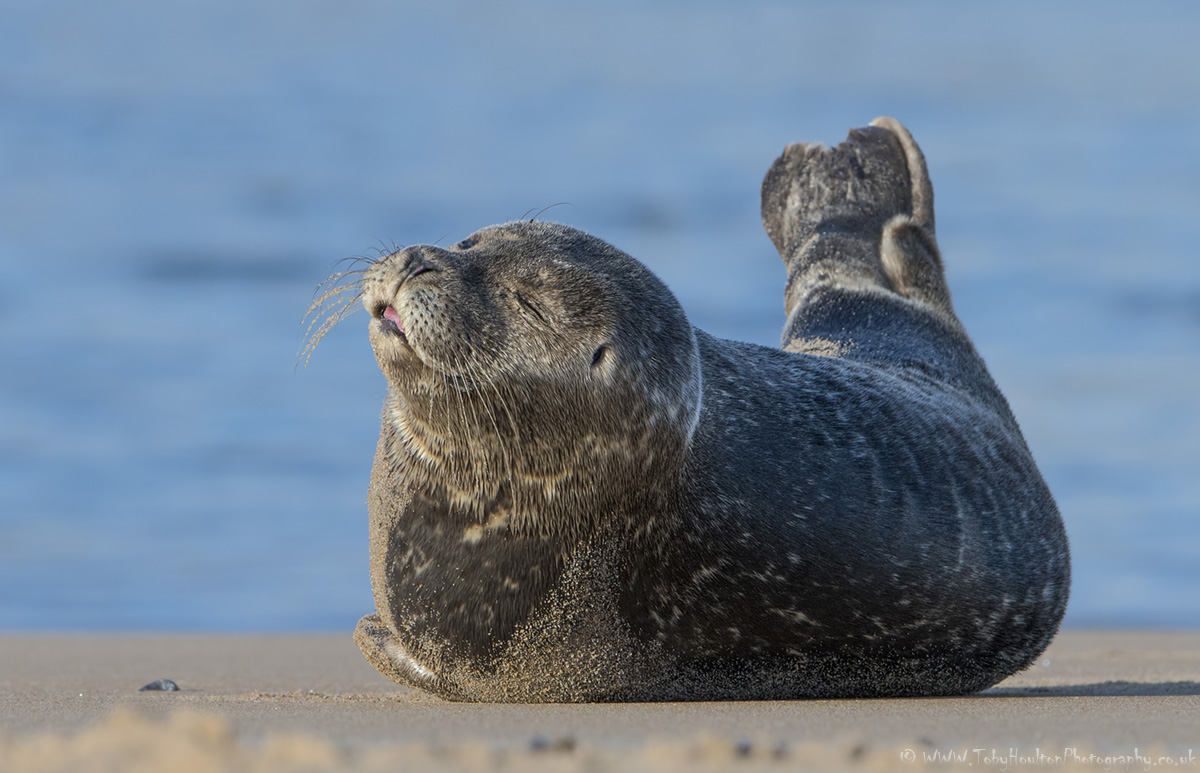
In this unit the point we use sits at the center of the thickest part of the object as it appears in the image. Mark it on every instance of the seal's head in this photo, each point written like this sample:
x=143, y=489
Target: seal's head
x=534, y=362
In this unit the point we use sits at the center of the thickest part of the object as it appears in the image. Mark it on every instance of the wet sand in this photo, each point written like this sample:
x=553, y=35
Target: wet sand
x=281, y=702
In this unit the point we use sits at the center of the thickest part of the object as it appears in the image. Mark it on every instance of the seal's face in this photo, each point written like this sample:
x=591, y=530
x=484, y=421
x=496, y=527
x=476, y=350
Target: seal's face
x=494, y=304
x=534, y=356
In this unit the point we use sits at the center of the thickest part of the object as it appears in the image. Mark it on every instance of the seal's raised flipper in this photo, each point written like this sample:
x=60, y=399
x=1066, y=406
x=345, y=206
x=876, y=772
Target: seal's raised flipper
x=855, y=219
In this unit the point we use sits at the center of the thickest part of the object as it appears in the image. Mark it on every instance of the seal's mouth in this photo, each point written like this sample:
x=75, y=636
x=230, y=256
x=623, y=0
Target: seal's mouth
x=389, y=322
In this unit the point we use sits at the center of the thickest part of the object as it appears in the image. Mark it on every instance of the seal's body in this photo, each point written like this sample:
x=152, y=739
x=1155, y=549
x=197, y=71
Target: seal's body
x=578, y=496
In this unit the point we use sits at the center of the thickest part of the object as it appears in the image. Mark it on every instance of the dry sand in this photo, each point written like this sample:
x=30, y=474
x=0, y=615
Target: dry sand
x=311, y=702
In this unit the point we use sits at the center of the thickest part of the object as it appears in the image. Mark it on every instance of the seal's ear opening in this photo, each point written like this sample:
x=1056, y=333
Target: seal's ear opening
x=599, y=355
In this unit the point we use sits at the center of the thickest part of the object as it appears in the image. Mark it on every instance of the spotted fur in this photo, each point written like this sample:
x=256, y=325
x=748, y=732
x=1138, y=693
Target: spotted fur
x=578, y=496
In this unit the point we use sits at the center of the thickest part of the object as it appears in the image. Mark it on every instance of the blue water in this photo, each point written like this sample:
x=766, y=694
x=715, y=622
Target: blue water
x=175, y=179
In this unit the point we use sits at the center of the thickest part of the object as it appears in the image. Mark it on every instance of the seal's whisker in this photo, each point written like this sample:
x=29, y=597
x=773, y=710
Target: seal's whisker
x=446, y=389
x=543, y=210
x=330, y=300
x=502, y=404
x=458, y=393
x=325, y=313
x=334, y=299
x=384, y=251
x=475, y=383
x=501, y=445
x=336, y=278
x=349, y=280
x=335, y=285
x=361, y=259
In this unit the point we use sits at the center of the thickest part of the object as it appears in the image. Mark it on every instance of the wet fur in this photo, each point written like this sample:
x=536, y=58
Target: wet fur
x=578, y=496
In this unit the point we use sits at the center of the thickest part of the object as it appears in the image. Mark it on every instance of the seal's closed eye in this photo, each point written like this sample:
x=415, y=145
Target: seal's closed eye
x=466, y=244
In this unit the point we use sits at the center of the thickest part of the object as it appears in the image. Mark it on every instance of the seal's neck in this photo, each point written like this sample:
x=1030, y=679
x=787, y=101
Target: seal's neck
x=555, y=471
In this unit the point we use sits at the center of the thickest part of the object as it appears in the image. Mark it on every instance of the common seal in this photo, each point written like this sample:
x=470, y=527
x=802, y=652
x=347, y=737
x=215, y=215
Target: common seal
x=578, y=496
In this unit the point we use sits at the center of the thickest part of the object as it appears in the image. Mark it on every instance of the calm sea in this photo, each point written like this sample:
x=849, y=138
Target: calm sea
x=176, y=178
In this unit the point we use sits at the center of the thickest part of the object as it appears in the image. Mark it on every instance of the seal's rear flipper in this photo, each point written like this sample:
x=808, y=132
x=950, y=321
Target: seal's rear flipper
x=855, y=218
x=918, y=174
x=913, y=265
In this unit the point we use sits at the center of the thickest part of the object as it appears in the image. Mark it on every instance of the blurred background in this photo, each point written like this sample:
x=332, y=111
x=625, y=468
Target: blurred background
x=176, y=179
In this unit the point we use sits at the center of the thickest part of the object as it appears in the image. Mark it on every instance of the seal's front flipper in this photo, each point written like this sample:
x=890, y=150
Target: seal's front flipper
x=389, y=656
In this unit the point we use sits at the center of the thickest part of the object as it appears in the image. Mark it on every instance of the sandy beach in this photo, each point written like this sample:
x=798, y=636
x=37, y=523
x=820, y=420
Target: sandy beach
x=1096, y=700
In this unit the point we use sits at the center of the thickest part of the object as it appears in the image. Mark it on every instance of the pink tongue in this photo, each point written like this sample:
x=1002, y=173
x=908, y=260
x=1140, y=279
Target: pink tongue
x=390, y=313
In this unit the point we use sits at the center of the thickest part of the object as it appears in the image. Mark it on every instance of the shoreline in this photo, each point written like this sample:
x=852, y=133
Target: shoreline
x=1106, y=693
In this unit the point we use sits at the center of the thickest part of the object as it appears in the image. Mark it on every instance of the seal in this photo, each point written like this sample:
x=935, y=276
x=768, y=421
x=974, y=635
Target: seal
x=579, y=496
